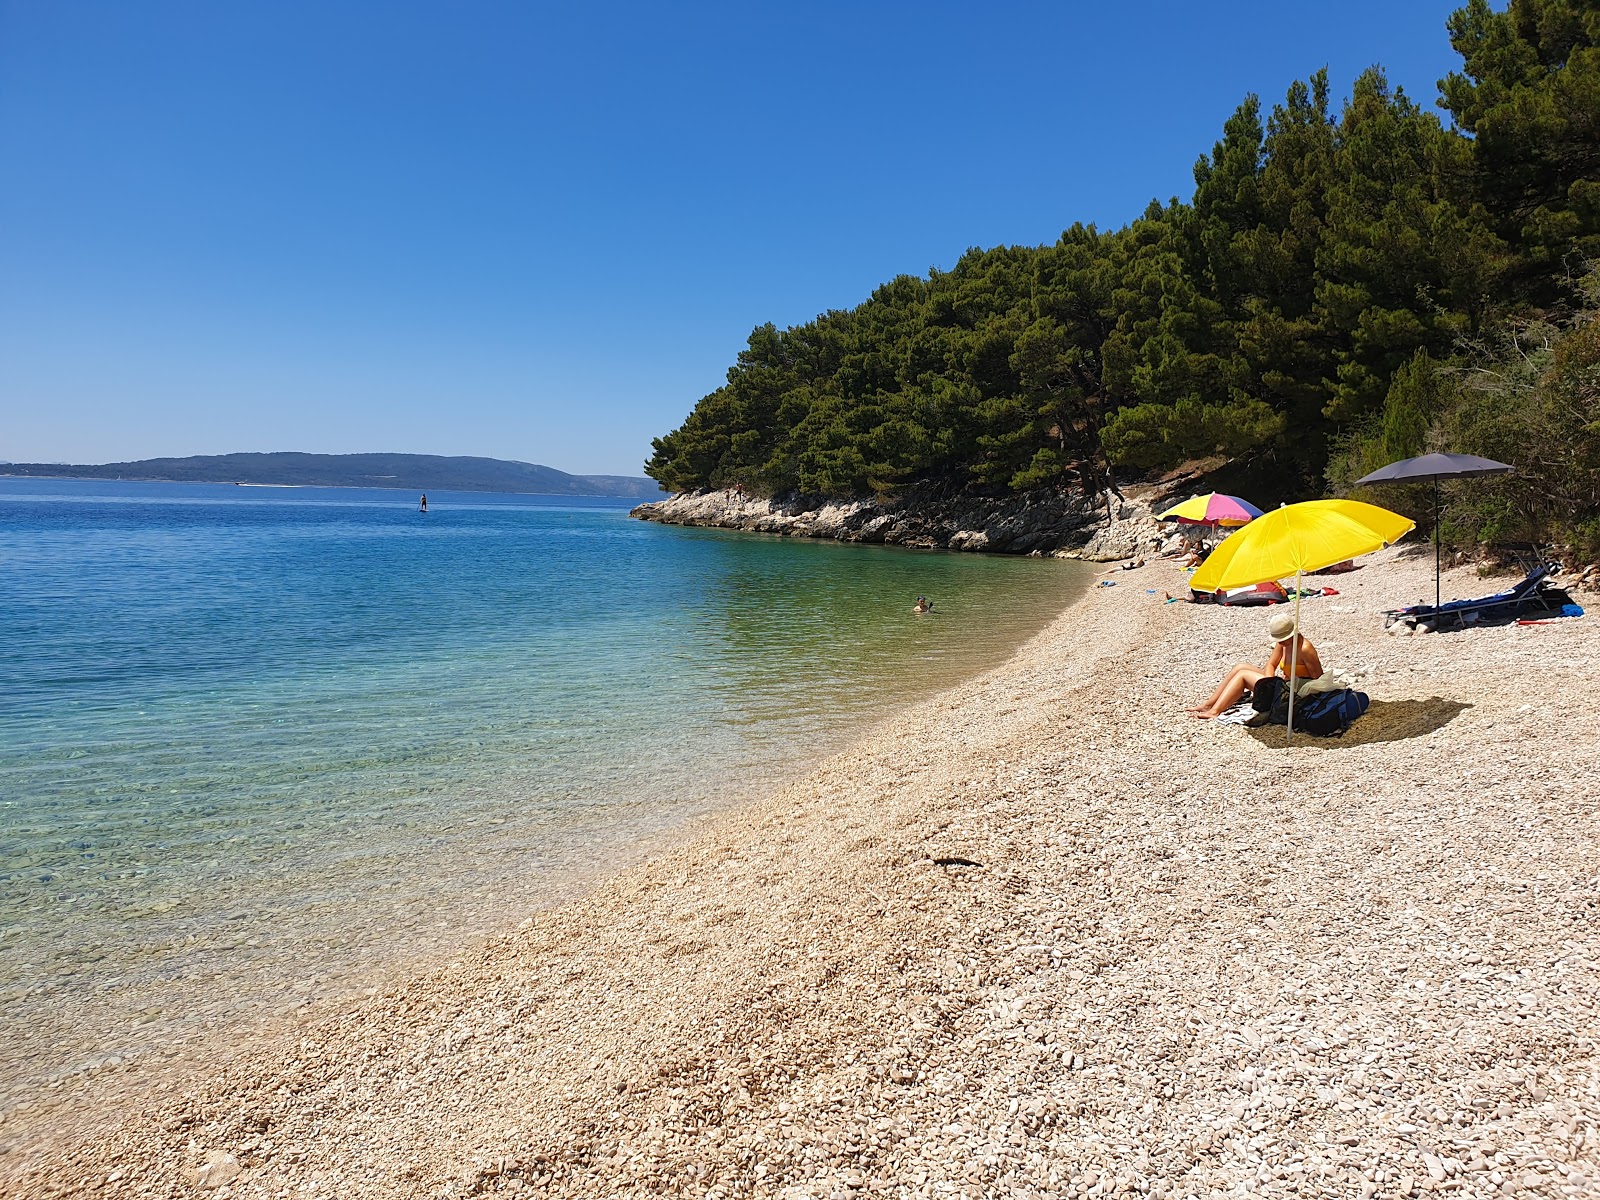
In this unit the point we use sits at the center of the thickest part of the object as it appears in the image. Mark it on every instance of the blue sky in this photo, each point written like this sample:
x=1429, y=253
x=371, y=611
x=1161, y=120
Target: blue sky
x=543, y=232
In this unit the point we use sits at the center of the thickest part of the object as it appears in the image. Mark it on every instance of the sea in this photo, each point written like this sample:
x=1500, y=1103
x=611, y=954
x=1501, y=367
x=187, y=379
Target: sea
x=263, y=748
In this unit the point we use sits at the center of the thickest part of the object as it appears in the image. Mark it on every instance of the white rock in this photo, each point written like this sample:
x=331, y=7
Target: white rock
x=220, y=1169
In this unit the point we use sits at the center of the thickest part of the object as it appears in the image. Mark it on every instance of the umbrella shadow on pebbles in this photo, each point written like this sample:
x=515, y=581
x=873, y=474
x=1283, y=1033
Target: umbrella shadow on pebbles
x=1384, y=721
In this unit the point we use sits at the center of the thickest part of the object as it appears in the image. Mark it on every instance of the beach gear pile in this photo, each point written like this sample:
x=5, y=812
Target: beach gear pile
x=1325, y=713
x=1270, y=592
x=1535, y=598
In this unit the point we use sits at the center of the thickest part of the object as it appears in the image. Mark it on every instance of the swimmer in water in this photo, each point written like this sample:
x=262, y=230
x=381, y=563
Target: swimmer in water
x=923, y=605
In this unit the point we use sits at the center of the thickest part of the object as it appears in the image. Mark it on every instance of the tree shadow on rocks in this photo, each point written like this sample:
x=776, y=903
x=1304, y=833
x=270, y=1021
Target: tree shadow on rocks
x=1384, y=721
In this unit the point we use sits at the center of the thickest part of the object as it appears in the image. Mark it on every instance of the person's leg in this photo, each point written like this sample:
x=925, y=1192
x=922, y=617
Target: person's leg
x=1238, y=684
x=1227, y=682
x=1227, y=678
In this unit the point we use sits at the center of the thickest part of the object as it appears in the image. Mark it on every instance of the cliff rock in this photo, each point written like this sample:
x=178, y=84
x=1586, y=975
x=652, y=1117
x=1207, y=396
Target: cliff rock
x=1032, y=523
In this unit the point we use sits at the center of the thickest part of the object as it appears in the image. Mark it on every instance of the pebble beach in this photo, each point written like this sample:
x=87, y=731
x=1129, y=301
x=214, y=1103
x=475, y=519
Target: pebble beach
x=1042, y=935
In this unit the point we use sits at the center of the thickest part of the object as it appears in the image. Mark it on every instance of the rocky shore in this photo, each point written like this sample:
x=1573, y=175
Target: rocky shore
x=1040, y=936
x=1038, y=523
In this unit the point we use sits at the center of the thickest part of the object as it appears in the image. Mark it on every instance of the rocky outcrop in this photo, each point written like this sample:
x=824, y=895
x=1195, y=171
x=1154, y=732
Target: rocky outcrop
x=1033, y=523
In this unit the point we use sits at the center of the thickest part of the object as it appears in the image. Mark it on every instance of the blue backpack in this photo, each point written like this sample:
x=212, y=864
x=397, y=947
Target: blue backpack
x=1329, y=714
x=1325, y=714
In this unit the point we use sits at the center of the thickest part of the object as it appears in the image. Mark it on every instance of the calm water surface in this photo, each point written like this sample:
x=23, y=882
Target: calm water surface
x=259, y=744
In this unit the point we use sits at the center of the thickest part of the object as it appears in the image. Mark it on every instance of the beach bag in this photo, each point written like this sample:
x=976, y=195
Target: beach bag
x=1271, y=698
x=1329, y=714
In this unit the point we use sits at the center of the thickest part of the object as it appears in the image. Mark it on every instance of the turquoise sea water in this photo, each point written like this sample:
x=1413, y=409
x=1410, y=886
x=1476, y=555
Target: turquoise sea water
x=260, y=744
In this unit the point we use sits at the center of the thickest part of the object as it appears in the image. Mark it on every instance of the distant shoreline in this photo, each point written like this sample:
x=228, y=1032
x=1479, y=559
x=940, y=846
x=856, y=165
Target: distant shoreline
x=343, y=487
x=403, y=472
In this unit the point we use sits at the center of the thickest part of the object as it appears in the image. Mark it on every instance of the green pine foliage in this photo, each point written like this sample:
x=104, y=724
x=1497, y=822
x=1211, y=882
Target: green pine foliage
x=1529, y=95
x=1534, y=402
x=1301, y=314
x=1421, y=392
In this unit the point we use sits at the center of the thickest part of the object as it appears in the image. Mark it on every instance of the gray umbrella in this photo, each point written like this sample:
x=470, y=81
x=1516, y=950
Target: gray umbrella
x=1436, y=467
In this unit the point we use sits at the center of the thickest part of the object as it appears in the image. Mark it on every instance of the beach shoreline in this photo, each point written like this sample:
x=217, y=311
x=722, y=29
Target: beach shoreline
x=409, y=750
x=1040, y=934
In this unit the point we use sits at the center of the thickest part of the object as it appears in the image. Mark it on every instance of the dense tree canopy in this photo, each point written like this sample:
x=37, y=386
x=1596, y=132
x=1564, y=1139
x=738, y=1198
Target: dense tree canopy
x=1330, y=264
x=1529, y=94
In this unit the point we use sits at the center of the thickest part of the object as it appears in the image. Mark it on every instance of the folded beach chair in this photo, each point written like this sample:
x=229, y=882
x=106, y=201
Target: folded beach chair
x=1534, y=595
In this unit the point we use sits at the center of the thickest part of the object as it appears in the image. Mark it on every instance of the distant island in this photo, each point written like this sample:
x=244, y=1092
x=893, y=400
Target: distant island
x=408, y=471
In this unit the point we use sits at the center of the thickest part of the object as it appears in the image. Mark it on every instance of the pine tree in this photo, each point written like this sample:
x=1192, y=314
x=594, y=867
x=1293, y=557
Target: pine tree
x=1529, y=94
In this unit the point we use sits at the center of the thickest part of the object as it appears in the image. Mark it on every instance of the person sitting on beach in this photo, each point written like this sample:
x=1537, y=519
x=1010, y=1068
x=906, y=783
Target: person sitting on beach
x=1196, y=556
x=1289, y=643
x=923, y=605
x=1188, y=540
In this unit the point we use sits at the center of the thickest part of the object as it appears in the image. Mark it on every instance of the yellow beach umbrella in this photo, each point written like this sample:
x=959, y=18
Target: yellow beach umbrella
x=1296, y=539
x=1299, y=538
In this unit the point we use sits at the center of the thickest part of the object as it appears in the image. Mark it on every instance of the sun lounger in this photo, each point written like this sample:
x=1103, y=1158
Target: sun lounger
x=1534, y=595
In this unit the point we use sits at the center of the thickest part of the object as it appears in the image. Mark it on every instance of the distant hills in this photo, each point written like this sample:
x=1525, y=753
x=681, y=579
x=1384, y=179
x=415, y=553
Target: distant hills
x=419, y=472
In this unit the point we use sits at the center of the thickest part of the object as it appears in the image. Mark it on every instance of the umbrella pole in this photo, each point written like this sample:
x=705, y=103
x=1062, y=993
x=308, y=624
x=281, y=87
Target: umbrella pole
x=1436, y=551
x=1294, y=654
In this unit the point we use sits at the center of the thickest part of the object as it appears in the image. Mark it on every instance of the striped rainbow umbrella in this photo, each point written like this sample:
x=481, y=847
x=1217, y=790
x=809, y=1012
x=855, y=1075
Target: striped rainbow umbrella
x=1213, y=509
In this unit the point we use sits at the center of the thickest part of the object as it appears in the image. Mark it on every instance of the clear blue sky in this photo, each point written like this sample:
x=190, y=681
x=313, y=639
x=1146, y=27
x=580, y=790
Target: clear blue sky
x=543, y=232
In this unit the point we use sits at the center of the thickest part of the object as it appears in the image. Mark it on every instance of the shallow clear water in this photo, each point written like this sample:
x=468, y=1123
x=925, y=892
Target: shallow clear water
x=259, y=744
